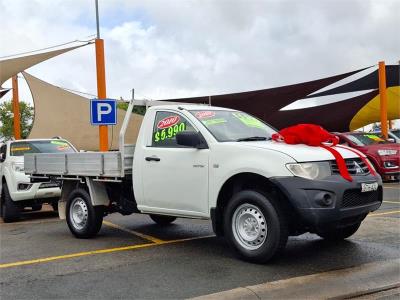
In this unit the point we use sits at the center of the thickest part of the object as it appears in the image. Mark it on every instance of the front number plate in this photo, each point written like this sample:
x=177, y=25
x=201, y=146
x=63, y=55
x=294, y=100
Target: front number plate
x=369, y=187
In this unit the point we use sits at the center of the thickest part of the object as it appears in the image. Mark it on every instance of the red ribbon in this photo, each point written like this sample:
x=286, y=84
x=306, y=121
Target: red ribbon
x=316, y=136
x=363, y=158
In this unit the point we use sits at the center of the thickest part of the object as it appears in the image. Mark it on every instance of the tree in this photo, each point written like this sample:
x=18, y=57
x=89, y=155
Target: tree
x=7, y=119
x=141, y=110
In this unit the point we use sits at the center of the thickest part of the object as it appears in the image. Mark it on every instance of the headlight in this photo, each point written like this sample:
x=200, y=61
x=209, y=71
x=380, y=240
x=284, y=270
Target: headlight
x=371, y=164
x=19, y=167
x=312, y=170
x=384, y=152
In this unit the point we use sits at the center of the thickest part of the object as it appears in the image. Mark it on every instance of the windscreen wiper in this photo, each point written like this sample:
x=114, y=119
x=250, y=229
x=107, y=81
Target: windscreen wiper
x=253, y=138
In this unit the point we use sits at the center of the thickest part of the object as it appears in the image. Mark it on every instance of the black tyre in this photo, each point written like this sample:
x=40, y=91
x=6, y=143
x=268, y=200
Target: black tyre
x=54, y=205
x=339, y=234
x=9, y=211
x=255, y=226
x=162, y=220
x=83, y=219
x=37, y=207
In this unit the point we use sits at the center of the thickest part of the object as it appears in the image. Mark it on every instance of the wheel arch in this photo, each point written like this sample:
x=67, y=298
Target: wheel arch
x=244, y=181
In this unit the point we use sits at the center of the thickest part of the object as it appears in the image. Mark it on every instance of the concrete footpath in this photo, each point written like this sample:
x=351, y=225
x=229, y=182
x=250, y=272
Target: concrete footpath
x=362, y=280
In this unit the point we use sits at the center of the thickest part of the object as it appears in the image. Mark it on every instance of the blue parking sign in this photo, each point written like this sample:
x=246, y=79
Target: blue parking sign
x=103, y=112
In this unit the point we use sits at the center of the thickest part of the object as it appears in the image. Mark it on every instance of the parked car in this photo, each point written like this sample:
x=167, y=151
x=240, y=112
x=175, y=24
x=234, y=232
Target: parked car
x=384, y=155
x=393, y=135
x=201, y=162
x=16, y=190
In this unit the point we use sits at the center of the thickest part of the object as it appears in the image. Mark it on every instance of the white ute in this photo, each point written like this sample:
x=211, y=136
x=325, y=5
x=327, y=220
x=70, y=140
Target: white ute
x=16, y=190
x=204, y=162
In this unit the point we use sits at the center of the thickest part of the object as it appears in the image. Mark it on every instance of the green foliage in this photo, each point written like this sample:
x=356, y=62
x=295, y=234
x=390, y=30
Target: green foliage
x=140, y=110
x=7, y=120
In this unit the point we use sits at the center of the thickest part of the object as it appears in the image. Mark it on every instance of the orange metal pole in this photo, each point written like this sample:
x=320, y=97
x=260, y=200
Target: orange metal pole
x=383, y=98
x=101, y=89
x=15, y=106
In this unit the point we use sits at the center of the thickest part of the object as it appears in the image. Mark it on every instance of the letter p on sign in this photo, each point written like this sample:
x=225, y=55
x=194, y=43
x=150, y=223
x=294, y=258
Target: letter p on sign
x=103, y=112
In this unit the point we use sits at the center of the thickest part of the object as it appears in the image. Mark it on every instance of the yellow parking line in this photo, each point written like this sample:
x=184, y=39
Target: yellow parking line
x=394, y=202
x=385, y=213
x=93, y=252
x=139, y=234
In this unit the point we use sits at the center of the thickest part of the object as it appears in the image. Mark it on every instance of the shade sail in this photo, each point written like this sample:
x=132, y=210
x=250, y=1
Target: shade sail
x=3, y=92
x=13, y=66
x=262, y=103
x=346, y=113
x=330, y=116
x=370, y=112
x=62, y=113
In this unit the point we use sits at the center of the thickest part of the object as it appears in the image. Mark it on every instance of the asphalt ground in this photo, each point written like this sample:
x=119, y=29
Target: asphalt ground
x=134, y=258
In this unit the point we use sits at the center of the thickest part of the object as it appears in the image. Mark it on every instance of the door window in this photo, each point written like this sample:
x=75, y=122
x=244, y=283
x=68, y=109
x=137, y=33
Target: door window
x=166, y=126
x=3, y=151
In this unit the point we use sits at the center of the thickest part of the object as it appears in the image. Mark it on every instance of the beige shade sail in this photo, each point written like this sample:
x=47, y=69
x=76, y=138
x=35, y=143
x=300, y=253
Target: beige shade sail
x=62, y=113
x=13, y=66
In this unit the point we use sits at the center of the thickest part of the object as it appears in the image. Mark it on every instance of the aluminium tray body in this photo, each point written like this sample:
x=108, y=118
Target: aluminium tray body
x=93, y=164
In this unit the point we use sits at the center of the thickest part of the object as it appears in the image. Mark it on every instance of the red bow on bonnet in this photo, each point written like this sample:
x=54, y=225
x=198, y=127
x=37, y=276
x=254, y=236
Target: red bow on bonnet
x=314, y=135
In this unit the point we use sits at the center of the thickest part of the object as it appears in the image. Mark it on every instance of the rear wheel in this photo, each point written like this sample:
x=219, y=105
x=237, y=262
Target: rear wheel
x=255, y=226
x=83, y=219
x=339, y=234
x=162, y=220
x=9, y=211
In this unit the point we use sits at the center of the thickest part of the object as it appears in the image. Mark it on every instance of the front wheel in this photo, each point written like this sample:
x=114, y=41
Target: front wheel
x=162, y=220
x=255, y=226
x=37, y=207
x=339, y=234
x=9, y=211
x=84, y=220
x=54, y=205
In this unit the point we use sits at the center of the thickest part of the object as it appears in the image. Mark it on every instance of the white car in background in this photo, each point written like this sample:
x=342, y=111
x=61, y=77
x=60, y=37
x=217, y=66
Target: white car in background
x=16, y=189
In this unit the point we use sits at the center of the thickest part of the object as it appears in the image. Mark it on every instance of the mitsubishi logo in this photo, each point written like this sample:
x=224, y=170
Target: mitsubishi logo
x=359, y=170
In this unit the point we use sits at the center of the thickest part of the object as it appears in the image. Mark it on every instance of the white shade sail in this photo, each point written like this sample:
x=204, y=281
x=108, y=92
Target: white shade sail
x=62, y=113
x=13, y=66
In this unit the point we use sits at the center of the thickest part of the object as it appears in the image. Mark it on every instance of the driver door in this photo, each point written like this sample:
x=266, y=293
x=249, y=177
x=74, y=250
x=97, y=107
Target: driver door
x=175, y=178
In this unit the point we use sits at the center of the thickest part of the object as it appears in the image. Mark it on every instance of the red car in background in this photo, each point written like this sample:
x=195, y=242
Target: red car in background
x=384, y=155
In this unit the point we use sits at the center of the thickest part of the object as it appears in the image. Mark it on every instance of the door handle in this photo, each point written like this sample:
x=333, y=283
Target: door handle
x=152, y=158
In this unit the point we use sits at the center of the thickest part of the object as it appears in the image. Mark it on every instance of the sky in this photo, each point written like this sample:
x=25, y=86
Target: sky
x=182, y=48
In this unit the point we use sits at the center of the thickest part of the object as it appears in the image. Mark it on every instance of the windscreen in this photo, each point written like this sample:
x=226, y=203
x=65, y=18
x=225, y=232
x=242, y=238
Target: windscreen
x=396, y=132
x=51, y=146
x=365, y=139
x=228, y=126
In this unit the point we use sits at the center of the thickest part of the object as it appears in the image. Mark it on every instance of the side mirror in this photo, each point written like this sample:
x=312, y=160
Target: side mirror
x=2, y=157
x=191, y=139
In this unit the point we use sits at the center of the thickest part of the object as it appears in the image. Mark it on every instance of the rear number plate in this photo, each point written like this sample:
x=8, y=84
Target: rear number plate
x=369, y=187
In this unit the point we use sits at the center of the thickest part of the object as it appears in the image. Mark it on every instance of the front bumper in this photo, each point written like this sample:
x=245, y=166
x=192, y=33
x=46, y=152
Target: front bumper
x=332, y=202
x=35, y=192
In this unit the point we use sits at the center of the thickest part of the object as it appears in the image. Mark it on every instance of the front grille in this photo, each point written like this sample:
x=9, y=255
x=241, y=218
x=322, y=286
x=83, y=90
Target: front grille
x=355, y=197
x=355, y=166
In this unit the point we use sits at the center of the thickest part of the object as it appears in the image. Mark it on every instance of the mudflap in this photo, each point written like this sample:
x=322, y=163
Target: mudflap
x=61, y=210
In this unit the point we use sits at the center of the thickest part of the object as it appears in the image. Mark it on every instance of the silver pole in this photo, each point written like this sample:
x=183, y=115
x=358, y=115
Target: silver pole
x=97, y=19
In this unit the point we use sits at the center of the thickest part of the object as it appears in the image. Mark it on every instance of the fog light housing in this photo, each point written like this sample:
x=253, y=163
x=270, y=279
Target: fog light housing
x=390, y=165
x=324, y=199
x=24, y=186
